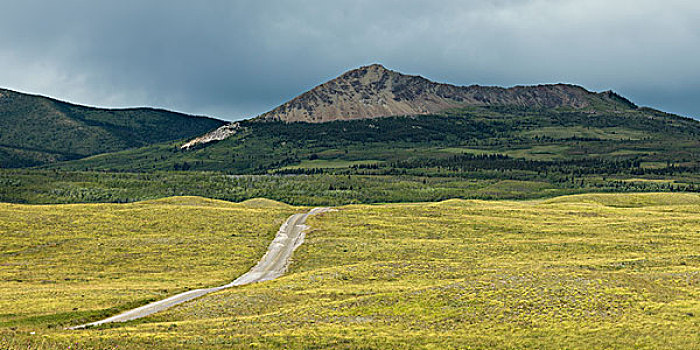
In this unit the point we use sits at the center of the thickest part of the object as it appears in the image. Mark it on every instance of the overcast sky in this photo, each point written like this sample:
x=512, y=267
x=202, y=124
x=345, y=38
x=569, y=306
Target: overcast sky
x=236, y=59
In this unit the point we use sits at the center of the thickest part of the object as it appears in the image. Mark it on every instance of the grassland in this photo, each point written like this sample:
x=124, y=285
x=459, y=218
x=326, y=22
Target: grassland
x=579, y=272
x=65, y=264
x=581, y=132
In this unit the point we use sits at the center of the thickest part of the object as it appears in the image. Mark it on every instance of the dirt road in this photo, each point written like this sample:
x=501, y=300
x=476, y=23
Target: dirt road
x=272, y=265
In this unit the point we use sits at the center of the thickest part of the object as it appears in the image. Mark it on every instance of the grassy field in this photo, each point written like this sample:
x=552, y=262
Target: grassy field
x=580, y=272
x=609, y=133
x=66, y=264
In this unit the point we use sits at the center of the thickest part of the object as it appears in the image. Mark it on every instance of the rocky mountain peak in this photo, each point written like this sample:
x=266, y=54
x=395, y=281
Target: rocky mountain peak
x=375, y=91
x=373, y=70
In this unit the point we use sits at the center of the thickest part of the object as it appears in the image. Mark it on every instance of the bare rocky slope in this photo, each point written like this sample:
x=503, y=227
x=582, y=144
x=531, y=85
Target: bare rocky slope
x=374, y=91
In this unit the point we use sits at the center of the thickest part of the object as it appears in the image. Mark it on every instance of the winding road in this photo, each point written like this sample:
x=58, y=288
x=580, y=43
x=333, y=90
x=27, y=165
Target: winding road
x=272, y=265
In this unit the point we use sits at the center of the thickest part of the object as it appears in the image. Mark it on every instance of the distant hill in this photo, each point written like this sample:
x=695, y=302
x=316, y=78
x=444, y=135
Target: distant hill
x=36, y=130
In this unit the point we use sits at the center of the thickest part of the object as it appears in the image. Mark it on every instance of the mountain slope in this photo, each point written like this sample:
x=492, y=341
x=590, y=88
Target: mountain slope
x=429, y=141
x=36, y=130
x=374, y=91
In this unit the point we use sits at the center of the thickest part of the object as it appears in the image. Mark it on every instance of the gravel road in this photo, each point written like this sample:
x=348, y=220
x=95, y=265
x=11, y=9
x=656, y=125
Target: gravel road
x=272, y=265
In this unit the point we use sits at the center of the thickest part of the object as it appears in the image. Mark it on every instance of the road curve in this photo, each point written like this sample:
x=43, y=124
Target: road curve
x=272, y=265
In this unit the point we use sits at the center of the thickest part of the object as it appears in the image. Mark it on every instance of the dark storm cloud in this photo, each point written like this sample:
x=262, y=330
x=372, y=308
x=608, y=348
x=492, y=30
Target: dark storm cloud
x=234, y=59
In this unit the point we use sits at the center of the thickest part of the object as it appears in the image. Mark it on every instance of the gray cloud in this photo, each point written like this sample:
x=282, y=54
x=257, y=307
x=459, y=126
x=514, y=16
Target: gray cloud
x=235, y=59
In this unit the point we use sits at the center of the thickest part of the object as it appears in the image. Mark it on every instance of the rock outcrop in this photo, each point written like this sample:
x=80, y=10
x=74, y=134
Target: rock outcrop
x=219, y=134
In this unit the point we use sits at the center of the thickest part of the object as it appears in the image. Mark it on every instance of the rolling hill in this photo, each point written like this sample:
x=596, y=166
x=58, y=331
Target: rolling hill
x=37, y=130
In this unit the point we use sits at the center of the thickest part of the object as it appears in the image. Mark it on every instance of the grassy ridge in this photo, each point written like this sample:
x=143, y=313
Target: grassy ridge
x=67, y=264
x=577, y=272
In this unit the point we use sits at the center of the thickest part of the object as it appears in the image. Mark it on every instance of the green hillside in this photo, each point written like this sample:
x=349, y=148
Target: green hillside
x=479, y=142
x=533, y=134
x=37, y=130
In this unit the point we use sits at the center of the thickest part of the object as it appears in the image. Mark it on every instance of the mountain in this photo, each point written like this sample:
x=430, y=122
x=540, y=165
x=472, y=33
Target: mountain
x=551, y=133
x=36, y=130
x=446, y=142
x=374, y=91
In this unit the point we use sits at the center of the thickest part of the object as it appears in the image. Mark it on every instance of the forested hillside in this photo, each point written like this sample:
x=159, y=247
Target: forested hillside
x=634, y=141
x=37, y=130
